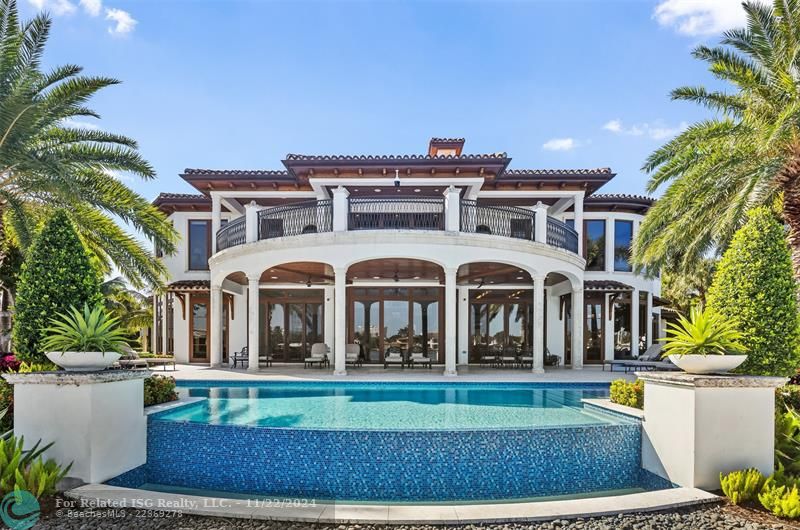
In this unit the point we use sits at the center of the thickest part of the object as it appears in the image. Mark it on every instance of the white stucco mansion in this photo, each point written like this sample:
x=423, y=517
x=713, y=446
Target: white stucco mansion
x=447, y=254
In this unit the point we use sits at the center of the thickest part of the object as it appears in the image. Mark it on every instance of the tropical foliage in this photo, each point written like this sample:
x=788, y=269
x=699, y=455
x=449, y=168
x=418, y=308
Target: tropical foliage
x=688, y=288
x=91, y=330
x=742, y=486
x=56, y=275
x=629, y=394
x=133, y=310
x=746, y=155
x=704, y=332
x=159, y=389
x=50, y=161
x=787, y=441
x=755, y=287
x=780, y=495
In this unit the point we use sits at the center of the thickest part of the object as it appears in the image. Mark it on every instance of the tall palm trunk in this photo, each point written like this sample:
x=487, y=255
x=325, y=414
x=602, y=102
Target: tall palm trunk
x=789, y=180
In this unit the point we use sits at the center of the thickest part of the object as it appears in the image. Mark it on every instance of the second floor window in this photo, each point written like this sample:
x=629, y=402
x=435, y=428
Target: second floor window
x=594, y=248
x=623, y=236
x=199, y=244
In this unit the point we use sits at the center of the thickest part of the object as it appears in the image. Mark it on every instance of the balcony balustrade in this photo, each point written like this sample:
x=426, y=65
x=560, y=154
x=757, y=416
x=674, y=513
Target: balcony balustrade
x=398, y=213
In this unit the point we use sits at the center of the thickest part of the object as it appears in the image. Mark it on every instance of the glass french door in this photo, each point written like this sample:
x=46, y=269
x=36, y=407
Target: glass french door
x=292, y=322
x=500, y=321
x=594, y=340
x=198, y=327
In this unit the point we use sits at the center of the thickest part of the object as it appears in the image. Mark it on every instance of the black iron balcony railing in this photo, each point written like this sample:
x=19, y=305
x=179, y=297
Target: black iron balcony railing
x=232, y=234
x=561, y=235
x=506, y=221
x=295, y=219
x=396, y=213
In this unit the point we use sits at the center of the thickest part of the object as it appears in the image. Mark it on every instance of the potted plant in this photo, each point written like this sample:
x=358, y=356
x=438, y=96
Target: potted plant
x=83, y=341
x=704, y=343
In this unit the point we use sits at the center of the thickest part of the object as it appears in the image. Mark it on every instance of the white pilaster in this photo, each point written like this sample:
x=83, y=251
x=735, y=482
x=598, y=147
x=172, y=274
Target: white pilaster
x=635, y=323
x=340, y=320
x=329, y=310
x=579, y=221
x=463, y=325
x=577, y=328
x=341, y=208
x=609, y=245
x=216, y=325
x=253, y=324
x=153, y=334
x=608, y=327
x=251, y=222
x=450, y=321
x=452, y=209
x=164, y=307
x=649, y=316
x=538, y=323
x=215, y=221
x=540, y=228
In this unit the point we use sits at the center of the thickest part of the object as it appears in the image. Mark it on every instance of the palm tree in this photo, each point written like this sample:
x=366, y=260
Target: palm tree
x=747, y=155
x=47, y=162
x=132, y=308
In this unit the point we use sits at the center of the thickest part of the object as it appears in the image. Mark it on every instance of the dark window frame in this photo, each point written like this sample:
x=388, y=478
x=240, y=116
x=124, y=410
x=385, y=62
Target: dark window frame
x=189, y=222
x=617, y=247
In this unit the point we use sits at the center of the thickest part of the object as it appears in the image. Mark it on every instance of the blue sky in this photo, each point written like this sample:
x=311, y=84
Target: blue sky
x=239, y=84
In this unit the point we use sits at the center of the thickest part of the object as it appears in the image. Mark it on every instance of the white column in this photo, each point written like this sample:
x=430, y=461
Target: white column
x=216, y=325
x=340, y=321
x=450, y=321
x=538, y=324
x=577, y=328
x=251, y=222
x=329, y=311
x=463, y=325
x=649, y=317
x=452, y=209
x=341, y=208
x=635, y=323
x=609, y=245
x=540, y=228
x=608, y=327
x=253, y=324
x=153, y=334
x=579, y=221
x=164, y=306
x=215, y=221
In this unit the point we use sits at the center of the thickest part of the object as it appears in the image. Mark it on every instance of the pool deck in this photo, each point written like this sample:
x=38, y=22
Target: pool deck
x=101, y=495
x=293, y=372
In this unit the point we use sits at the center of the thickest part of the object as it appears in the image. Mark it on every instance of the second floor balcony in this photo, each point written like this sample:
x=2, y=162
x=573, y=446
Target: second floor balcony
x=398, y=213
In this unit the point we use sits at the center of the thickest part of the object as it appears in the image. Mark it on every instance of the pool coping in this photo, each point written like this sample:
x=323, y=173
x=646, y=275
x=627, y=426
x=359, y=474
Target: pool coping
x=102, y=495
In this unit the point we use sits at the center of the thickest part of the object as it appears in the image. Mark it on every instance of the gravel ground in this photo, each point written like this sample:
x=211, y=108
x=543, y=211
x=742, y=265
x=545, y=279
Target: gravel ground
x=707, y=517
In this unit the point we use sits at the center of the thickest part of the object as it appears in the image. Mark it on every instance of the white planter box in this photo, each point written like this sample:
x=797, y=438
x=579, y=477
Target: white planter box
x=707, y=364
x=83, y=361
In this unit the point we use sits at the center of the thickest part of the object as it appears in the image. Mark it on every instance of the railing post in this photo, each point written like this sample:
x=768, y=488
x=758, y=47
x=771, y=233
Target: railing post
x=452, y=209
x=540, y=229
x=251, y=222
x=340, y=209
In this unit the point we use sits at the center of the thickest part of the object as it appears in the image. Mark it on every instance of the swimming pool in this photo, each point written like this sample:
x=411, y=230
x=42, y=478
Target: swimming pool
x=392, y=442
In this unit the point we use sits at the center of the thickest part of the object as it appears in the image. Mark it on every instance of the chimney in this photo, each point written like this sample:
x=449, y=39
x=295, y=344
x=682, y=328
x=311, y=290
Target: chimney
x=445, y=146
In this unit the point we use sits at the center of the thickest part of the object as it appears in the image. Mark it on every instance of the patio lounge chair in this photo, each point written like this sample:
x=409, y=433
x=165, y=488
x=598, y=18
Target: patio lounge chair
x=352, y=355
x=509, y=358
x=394, y=355
x=419, y=358
x=131, y=359
x=239, y=357
x=649, y=360
x=319, y=355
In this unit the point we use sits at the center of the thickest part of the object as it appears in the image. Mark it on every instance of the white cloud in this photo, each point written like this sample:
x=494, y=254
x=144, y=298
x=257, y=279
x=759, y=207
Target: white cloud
x=80, y=124
x=56, y=7
x=560, y=144
x=655, y=130
x=124, y=22
x=92, y=7
x=700, y=17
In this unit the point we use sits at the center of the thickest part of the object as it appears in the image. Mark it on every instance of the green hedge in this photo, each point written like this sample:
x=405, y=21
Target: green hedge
x=159, y=389
x=56, y=274
x=754, y=286
x=630, y=394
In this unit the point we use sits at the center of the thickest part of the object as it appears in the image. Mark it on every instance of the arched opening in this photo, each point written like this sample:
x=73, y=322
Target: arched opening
x=291, y=316
x=396, y=306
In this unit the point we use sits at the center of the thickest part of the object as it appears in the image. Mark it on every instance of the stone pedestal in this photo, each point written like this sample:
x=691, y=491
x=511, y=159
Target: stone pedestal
x=96, y=419
x=698, y=426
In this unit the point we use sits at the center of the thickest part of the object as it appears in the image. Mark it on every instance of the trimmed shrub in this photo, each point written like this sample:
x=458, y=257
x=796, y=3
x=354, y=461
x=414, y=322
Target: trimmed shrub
x=754, y=286
x=742, y=486
x=159, y=389
x=626, y=393
x=56, y=274
x=787, y=397
x=781, y=496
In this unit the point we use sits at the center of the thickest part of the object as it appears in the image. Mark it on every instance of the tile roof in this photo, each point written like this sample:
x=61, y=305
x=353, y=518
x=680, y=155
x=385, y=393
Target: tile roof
x=189, y=284
x=606, y=285
x=237, y=172
x=357, y=158
x=620, y=197
x=179, y=196
x=545, y=172
x=448, y=140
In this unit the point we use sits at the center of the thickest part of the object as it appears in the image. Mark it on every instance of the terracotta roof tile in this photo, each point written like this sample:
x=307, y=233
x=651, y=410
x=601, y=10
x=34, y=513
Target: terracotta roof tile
x=620, y=197
x=185, y=196
x=546, y=172
x=237, y=172
x=189, y=284
x=606, y=285
x=357, y=158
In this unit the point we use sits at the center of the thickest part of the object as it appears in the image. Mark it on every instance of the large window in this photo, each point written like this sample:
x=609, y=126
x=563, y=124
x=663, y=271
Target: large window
x=594, y=247
x=500, y=322
x=199, y=244
x=593, y=331
x=623, y=236
x=292, y=322
x=199, y=328
x=622, y=326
